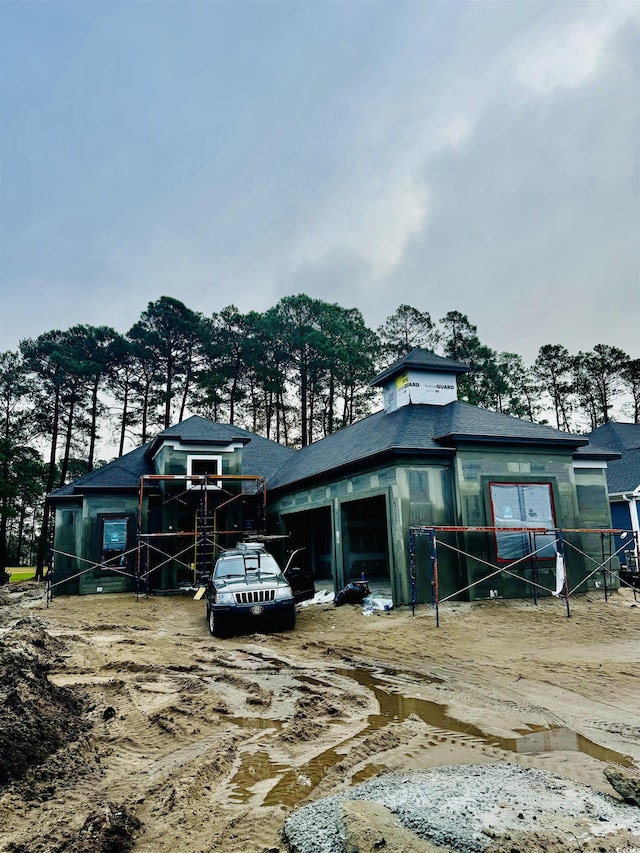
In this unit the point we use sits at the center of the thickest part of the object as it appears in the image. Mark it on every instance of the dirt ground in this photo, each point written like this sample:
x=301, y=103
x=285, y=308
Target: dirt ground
x=126, y=726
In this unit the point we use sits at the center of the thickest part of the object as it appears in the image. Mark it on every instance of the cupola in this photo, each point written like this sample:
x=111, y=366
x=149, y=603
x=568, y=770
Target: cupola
x=420, y=378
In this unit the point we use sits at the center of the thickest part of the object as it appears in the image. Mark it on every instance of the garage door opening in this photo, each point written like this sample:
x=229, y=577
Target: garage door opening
x=365, y=546
x=311, y=530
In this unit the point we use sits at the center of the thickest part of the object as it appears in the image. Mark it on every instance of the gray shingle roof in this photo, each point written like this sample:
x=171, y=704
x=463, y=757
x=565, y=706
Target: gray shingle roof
x=366, y=438
x=421, y=429
x=122, y=473
x=472, y=422
x=259, y=456
x=424, y=429
x=197, y=430
x=623, y=475
x=424, y=360
x=617, y=436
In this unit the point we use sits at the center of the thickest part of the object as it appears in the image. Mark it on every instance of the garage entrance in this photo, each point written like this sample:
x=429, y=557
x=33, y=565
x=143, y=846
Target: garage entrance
x=365, y=546
x=311, y=530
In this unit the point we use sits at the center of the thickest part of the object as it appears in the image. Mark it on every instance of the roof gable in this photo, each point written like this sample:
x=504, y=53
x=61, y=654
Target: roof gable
x=617, y=436
x=623, y=475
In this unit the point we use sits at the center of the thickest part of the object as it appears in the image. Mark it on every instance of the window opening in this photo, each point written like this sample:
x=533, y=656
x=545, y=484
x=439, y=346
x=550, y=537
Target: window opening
x=198, y=466
x=523, y=505
x=114, y=542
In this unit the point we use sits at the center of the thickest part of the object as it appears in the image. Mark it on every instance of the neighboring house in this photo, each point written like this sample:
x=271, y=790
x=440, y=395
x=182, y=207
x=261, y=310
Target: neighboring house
x=623, y=479
x=351, y=499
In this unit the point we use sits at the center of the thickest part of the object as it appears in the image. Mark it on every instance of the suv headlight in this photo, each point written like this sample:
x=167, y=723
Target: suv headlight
x=283, y=592
x=224, y=598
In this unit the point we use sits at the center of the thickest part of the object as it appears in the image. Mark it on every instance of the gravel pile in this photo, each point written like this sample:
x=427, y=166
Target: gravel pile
x=466, y=807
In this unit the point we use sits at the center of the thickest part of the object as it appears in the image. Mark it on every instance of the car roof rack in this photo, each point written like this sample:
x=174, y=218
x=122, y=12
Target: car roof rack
x=250, y=546
x=258, y=540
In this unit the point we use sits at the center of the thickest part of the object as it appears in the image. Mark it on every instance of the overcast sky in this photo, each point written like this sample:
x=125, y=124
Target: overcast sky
x=482, y=157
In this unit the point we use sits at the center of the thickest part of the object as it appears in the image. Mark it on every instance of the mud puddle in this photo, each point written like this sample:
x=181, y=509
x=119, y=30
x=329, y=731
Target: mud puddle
x=289, y=786
x=257, y=767
x=533, y=740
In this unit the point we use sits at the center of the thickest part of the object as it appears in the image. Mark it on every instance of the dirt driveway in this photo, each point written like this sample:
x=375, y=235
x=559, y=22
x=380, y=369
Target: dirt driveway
x=154, y=736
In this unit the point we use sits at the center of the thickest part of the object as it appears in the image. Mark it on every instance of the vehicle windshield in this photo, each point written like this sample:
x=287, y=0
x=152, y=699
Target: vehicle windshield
x=237, y=566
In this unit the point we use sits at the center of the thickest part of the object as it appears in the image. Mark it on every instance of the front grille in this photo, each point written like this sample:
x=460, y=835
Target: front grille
x=256, y=596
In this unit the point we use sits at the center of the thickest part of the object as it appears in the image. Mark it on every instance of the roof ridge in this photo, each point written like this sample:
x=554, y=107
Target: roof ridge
x=620, y=428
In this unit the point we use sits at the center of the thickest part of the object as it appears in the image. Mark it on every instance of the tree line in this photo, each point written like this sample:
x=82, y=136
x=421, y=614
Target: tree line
x=294, y=373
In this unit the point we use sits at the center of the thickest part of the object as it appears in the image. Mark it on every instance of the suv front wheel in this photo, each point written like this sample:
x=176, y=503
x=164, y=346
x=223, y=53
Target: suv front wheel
x=289, y=621
x=214, y=624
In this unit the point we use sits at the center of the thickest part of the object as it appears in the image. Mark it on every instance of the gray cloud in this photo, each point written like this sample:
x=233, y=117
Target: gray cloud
x=482, y=157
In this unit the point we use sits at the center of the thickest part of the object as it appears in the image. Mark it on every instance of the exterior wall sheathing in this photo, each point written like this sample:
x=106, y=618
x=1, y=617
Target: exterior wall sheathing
x=455, y=492
x=77, y=532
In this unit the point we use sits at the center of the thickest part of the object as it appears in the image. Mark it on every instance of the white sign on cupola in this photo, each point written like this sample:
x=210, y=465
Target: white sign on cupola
x=420, y=387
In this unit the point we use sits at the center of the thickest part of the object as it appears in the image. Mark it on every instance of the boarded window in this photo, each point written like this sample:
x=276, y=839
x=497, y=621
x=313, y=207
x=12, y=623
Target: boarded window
x=526, y=506
x=115, y=534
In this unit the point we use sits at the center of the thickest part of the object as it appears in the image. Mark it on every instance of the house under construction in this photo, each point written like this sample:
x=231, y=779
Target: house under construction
x=160, y=513
x=352, y=499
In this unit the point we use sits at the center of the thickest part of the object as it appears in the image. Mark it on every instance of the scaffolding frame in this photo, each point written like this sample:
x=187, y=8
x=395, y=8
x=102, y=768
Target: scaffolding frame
x=199, y=539
x=561, y=545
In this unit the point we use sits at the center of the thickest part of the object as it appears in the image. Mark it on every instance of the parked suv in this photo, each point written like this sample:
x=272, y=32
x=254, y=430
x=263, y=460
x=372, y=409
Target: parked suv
x=248, y=591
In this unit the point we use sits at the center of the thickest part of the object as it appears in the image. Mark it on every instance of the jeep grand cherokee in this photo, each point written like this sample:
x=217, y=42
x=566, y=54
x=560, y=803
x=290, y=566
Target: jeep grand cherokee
x=248, y=591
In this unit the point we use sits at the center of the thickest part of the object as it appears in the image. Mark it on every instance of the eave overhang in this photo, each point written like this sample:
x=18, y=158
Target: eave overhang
x=157, y=442
x=441, y=366
x=84, y=490
x=601, y=455
x=628, y=495
x=61, y=498
x=467, y=438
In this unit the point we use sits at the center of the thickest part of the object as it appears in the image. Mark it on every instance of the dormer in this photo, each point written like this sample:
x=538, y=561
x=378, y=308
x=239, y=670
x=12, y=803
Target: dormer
x=420, y=378
x=196, y=447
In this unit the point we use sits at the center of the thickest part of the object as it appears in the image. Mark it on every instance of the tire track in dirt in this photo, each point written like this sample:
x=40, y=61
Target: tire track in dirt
x=203, y=730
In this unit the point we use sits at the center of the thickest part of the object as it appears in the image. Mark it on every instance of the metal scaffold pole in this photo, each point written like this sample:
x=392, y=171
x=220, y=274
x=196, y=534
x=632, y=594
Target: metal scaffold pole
x=145, y=566
x=560, y=550
x=534, y=567
x=203, y=532
x=604, y=572
x=433, y=550
x=141, y=543
x=50, y=559
x=412, y=570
